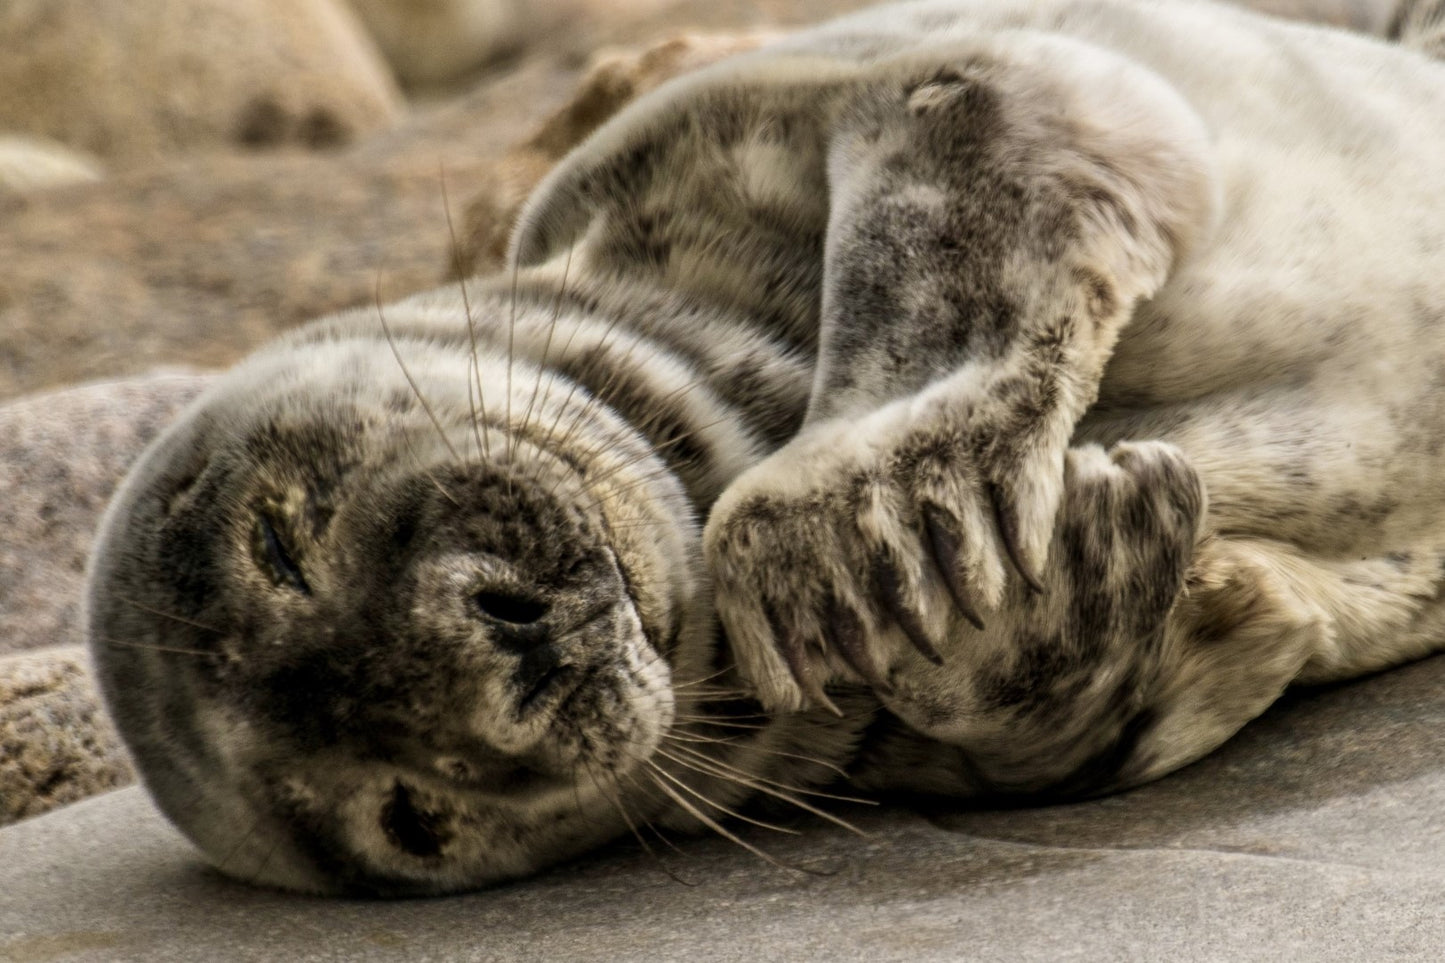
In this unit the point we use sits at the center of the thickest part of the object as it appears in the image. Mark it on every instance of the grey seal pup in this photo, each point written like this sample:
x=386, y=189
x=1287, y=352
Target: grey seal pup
x=996, y=399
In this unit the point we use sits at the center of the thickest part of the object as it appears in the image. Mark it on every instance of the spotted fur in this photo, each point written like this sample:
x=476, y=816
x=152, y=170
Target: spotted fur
x=1041, y=388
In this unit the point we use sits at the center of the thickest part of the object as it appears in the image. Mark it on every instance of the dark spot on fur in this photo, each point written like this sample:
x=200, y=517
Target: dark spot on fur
x=322, y=129
x=1037, y=676
x=410, y=828
x=263, y=123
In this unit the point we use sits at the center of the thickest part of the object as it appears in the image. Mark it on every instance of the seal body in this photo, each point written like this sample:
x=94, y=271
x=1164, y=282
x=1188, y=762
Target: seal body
x=992, y=398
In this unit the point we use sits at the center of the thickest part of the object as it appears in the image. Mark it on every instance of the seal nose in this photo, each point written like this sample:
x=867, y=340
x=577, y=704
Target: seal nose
x=518, y=627
x=516, y=620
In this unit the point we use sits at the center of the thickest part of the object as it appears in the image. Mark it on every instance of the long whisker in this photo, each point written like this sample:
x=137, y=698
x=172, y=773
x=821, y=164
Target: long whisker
x=245, y=838
x=723, y=723
x=677, y=440
x=474, y=369
x=547, y=345
x=711, y=802
x=779, y=790
x=266, y=860
x=615, y=800
x=716, y=826
x=416, y=460
x=121, y=644
x=598, y=394
x=731, y=742
x=511, y=354
x=661, y=836
x=703, y=679
x=170, y=615
x=396, y=353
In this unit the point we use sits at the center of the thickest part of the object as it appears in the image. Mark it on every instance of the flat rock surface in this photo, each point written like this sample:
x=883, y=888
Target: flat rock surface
x=1314, y=836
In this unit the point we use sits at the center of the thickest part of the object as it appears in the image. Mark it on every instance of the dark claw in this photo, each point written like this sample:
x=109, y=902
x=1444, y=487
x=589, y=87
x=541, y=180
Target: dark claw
x=795, y=653
x=846, y=630
x=1008, y=531
x=890, y=593
x=946, y=548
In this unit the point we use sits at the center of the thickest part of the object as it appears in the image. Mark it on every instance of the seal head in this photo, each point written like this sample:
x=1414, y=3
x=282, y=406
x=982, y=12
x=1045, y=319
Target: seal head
x=353, y=653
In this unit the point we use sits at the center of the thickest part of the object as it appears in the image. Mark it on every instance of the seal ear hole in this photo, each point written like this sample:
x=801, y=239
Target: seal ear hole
x=510, y=608
x=411, y=829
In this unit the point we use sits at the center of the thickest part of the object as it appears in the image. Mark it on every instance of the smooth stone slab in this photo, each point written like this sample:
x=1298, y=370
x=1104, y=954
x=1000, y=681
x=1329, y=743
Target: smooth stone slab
x=1316, y=835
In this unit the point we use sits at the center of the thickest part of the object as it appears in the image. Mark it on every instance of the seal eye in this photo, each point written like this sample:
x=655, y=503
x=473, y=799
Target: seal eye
x=276, y=560
x=513, y=609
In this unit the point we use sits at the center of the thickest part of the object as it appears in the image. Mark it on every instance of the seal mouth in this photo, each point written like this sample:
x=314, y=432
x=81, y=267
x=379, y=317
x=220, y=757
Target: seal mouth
x=549, y=689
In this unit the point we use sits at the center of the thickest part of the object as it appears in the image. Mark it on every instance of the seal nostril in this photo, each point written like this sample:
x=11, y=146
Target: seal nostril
x=513, y=609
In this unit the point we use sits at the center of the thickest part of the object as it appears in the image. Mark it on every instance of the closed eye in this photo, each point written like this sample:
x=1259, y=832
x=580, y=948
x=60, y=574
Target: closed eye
x=276, y=559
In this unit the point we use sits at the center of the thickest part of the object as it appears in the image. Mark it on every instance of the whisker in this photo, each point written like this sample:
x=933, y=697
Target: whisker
x=783, y=791
x=416, y=460
x=718, y=827
x=647, y=478
x=702, y=679
x=615, y=799
x=396, y=353
x=657, y=448
x=474, y=369
x=724, y=723
x=551, y=331
x=712, y=802
x=731, y=741
x=122, y=644
x=661, y=836
x=511, y=354
x=266, y=860
x=169, y=615
x=599, y=393
x=240, y=844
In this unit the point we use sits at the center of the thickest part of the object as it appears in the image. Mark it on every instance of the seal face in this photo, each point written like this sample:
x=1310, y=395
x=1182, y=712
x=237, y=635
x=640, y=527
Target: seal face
x=1038, y=450
x=371, y=650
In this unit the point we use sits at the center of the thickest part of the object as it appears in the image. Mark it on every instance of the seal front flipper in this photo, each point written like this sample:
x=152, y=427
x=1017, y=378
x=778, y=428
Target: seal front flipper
x=996, y=212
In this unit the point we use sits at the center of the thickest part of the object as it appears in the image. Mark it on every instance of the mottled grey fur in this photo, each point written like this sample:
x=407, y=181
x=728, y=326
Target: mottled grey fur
x=1057, y=382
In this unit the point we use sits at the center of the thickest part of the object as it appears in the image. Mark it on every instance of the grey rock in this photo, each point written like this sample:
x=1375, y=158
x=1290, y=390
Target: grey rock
x=61, y=455
x=56, y=744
